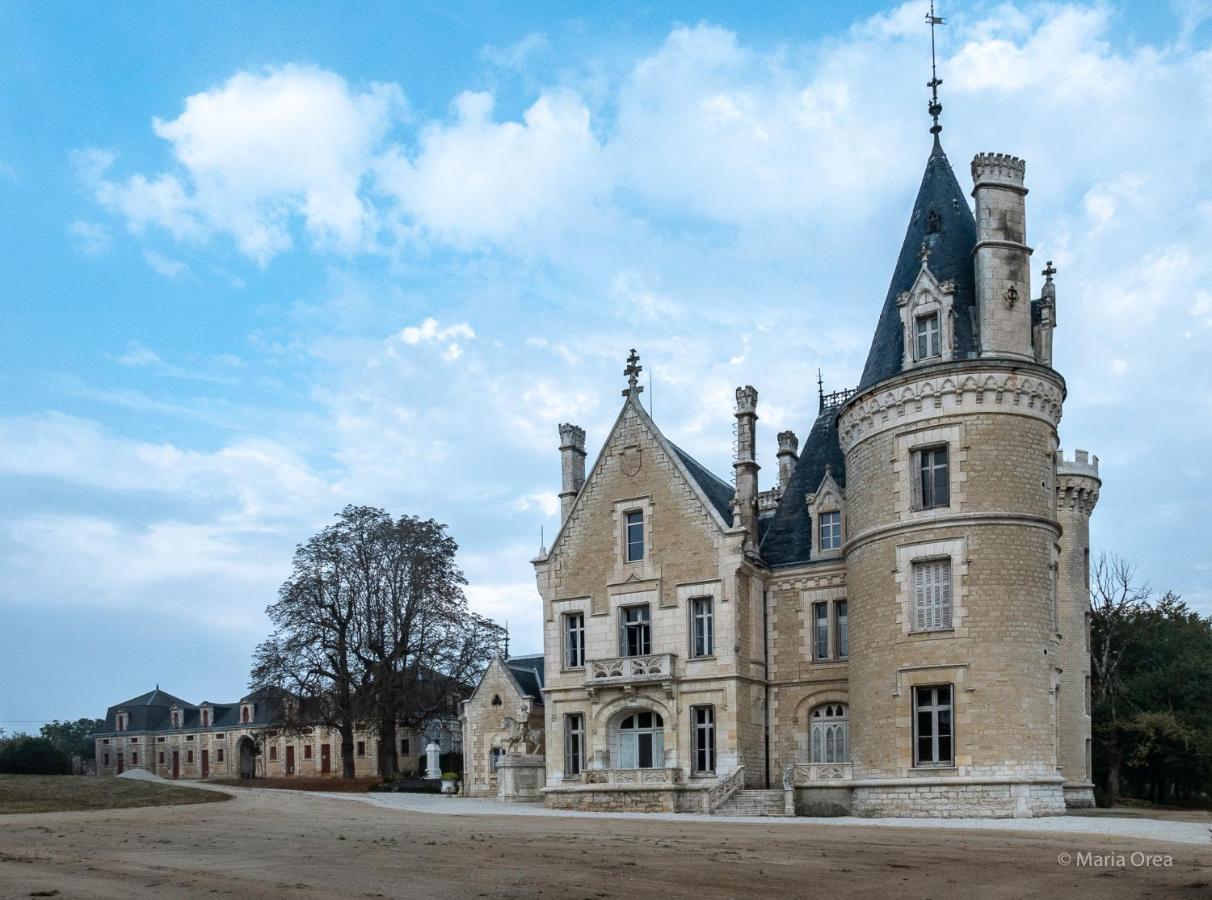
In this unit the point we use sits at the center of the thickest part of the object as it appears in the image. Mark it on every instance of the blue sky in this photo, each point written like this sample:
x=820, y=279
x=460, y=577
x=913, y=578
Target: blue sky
x=260, y=261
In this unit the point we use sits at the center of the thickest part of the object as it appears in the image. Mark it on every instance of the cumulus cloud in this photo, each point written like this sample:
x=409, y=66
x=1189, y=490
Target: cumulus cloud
x=255, y=154
x=90, y=238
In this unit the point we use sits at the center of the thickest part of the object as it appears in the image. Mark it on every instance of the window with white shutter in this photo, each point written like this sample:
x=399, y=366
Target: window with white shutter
x=932, y=595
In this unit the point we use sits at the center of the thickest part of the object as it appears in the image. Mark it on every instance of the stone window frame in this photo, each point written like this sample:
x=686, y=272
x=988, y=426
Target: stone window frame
x=697, y=729
x=572, y=735
x=839, y=724
x=905, y=466
x=956, y=549
x=809, y=598
x=909, y=677
x=641, y=568
x=619, y=618
x=928, y=296
x=692, y=644
x=934, y=765
x=565, y=643
x=828, y=497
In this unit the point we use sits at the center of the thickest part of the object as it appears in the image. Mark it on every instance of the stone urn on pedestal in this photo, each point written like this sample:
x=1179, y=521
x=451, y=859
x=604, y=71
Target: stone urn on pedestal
x=433, y=768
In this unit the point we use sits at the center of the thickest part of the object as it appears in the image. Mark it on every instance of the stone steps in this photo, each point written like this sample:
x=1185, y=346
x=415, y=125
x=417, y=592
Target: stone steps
x=753, y=803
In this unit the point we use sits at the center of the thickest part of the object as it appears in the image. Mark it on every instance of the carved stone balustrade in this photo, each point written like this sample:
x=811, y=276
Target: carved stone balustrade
x=804, y=775
x=628, y=671
x=657, y=777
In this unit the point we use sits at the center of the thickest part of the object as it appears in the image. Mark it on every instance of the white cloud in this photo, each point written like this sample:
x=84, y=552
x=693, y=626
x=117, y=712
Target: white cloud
x=90, y=238
x=138, y=355
x=163, y=265
x=257, y=152
x=477, y=179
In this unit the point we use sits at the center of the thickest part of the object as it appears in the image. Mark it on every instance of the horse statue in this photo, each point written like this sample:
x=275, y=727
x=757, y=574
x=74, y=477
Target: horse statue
x=516, y=733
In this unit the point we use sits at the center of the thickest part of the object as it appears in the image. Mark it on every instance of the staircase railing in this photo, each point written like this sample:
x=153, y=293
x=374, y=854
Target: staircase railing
x=717, y=795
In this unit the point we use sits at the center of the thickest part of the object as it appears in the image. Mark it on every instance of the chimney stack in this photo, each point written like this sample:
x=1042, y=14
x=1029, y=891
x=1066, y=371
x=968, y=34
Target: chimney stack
x=572, y=466
x=1003, y=259
x=788, y=455
x=746, y=467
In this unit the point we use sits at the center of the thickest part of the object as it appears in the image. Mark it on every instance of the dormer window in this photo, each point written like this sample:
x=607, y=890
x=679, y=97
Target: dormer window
x=245, y=714
x=928, y=341
x=120, y=723
x=635, y=535
x=176, y=719
x=934, y=222
x=831, y=530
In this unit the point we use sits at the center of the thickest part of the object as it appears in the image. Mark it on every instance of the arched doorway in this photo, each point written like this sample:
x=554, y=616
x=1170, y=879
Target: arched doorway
x=247, y=750
x=641, y=740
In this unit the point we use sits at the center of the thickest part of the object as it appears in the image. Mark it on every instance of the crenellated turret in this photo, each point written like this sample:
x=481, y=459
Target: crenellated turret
x=1002, y=257
x=572, y=466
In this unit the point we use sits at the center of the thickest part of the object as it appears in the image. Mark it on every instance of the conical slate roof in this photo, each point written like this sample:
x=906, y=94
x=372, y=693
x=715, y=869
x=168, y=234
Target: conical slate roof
x=943, y=220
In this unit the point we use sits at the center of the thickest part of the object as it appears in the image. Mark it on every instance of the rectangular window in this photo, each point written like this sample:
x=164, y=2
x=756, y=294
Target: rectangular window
x=161, y=757
x=189, y=756
x=105, y=761
x=574, y=640
x=842, y=623
x=134, y=758
x=218, y=755
x=702, y=620
x=494, y=758
x=831, y=530
x=637, y=631
x=934, y=485
x=403, y=746
x=933, y=737
x=307, y=751
x=635, y=535
x=820, y=631
x=927, y=331
x=703, y=738
x=932, y=595
x=273, y=752
x=134, y=740
x=189, y=737
x=361, y=748
x=161, y=740
x=574, y=744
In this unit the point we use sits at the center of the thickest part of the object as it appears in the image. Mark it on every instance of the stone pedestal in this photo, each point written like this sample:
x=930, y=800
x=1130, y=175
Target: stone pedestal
x=520, y=777
x=433, y=770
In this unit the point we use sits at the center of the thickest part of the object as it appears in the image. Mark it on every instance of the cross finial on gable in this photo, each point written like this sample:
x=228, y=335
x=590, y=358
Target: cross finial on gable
x=1049, y=271
x=632, y=372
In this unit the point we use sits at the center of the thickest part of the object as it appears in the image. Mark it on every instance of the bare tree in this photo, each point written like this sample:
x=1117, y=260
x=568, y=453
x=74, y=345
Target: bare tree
x=1116, y=603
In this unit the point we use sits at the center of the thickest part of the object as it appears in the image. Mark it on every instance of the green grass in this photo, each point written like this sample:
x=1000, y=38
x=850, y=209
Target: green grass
x=60, y=793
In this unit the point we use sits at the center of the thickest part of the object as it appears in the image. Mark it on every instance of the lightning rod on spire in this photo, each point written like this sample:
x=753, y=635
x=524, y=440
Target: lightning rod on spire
x=935, y=106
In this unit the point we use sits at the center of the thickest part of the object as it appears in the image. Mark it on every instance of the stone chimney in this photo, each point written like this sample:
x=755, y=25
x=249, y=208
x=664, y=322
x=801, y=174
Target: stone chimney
x=746, y=467
x=1003, y=270
x=572, y=466
x=789, y=449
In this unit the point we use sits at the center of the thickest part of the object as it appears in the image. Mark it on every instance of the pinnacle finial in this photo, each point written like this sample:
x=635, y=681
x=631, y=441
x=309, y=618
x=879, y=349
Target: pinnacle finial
x=1049, y=271
x=923, y=254
x=632, y=372
x=820, y=387
x=935, y=106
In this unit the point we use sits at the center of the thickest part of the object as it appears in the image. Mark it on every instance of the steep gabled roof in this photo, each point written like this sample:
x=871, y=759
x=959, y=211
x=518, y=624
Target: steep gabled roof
x=942, y=220
x=528, y=672
x=717, y=490
x=787, y=538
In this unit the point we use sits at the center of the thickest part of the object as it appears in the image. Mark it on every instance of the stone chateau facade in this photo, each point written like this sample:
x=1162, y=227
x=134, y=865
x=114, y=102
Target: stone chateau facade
x=173, y=738
x=897, y=625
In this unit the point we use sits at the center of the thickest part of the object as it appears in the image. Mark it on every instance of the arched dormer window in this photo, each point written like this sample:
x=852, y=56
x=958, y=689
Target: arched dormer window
x=830, y=724
x=934, y=222
x=120, y=722
x=246, y=712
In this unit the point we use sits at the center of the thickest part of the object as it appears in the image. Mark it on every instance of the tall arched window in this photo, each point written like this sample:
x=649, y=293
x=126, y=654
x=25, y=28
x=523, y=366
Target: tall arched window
x=641, y=741
x=831, y=733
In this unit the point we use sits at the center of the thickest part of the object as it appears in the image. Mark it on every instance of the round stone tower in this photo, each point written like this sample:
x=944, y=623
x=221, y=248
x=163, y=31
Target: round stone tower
x=1077, y=485
x=950, y=443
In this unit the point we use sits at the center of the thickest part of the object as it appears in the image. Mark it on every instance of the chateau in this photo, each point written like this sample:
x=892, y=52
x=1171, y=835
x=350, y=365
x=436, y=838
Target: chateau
x=897, y=625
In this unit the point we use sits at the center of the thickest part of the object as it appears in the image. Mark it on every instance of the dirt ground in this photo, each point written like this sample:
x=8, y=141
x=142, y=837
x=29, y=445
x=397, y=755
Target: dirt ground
x=285, y=844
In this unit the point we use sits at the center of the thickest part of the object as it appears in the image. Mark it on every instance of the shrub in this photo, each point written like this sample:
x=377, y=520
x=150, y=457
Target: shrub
x=450, y=776
x=33, y=756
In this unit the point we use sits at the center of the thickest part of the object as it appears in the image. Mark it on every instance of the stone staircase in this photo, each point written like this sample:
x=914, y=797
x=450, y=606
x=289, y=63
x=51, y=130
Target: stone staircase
x=753, y=803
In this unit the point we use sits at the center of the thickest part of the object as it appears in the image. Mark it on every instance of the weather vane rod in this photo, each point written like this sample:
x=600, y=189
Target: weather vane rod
x=935, y=107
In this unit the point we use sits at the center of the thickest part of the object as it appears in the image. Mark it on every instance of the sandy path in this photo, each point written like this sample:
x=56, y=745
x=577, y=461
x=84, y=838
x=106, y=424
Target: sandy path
x=280, y=843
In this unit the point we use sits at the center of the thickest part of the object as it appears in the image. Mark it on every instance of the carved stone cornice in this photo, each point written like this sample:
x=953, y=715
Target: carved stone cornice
x=952, y=390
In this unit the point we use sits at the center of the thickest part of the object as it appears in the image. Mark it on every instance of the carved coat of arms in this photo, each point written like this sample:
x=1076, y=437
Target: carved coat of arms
x=631, y=461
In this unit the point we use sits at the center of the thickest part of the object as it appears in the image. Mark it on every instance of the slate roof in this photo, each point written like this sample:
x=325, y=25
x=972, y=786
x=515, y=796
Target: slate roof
x=528, y=670
x=718, y=491
x=151, y=712
x=787, y=539
x=951, y=247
